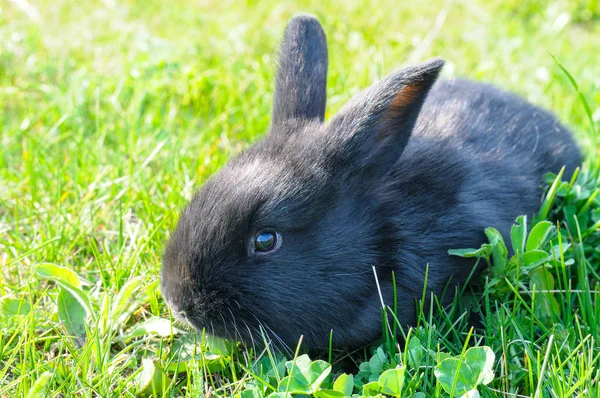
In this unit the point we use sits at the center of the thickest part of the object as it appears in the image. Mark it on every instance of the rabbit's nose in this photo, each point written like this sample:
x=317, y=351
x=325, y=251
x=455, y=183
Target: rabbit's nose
x=179, y=310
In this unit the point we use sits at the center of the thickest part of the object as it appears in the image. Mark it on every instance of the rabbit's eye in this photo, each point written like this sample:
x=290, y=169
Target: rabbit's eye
x=266, y=241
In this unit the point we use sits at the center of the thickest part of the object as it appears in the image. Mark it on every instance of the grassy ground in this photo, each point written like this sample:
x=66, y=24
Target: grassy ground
x=113, y=112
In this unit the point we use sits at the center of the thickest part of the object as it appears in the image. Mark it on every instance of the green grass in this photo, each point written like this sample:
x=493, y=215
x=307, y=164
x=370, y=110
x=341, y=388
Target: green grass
x=114, y=112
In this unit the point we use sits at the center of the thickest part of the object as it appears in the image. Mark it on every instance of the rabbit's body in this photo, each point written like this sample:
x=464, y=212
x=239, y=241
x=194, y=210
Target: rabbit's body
x=478, y=145
x=285, y=237
x=480, y=119
x=475, y=159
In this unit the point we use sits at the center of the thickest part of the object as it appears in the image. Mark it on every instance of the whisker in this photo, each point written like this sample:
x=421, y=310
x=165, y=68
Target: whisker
x=238, y=335
x=279, y=339
x=225, y=325
x=251, y=337
x=349, y=274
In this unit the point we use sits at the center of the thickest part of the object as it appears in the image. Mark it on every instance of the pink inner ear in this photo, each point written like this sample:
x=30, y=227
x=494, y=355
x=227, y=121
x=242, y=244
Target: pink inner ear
x=404, y=98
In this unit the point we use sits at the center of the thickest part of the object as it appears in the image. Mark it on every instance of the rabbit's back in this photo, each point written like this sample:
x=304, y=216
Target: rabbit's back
x=492, y=125
x=475, y=159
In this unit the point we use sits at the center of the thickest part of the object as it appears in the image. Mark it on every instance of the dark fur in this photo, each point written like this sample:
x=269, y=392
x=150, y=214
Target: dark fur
x=355, y=193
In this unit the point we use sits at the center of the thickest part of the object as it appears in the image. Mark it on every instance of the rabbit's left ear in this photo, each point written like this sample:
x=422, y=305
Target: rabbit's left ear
x=374, y=127
x=300, y=87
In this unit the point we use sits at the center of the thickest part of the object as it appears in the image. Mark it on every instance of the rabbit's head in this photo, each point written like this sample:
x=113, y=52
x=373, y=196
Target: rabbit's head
x=282, y=241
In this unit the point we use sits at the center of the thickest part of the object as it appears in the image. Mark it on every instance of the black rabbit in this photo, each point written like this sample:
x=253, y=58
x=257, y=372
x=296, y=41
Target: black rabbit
x=284, y=237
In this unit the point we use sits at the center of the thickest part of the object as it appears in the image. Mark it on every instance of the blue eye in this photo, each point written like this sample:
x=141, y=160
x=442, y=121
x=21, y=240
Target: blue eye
x=266, y=241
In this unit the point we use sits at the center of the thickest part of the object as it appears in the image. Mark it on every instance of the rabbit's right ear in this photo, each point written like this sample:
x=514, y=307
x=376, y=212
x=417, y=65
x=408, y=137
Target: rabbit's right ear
x=300, y=87
x=373, y=128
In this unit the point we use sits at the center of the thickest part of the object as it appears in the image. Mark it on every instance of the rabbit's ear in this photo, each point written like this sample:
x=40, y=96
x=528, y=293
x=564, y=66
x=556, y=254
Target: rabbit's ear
x=373, y=128
x=302, y=74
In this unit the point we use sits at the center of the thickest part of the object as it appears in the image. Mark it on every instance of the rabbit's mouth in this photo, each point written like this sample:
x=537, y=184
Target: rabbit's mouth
x=252, y=334
x=226, y=328
x=183, y=323
x=180, y=318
